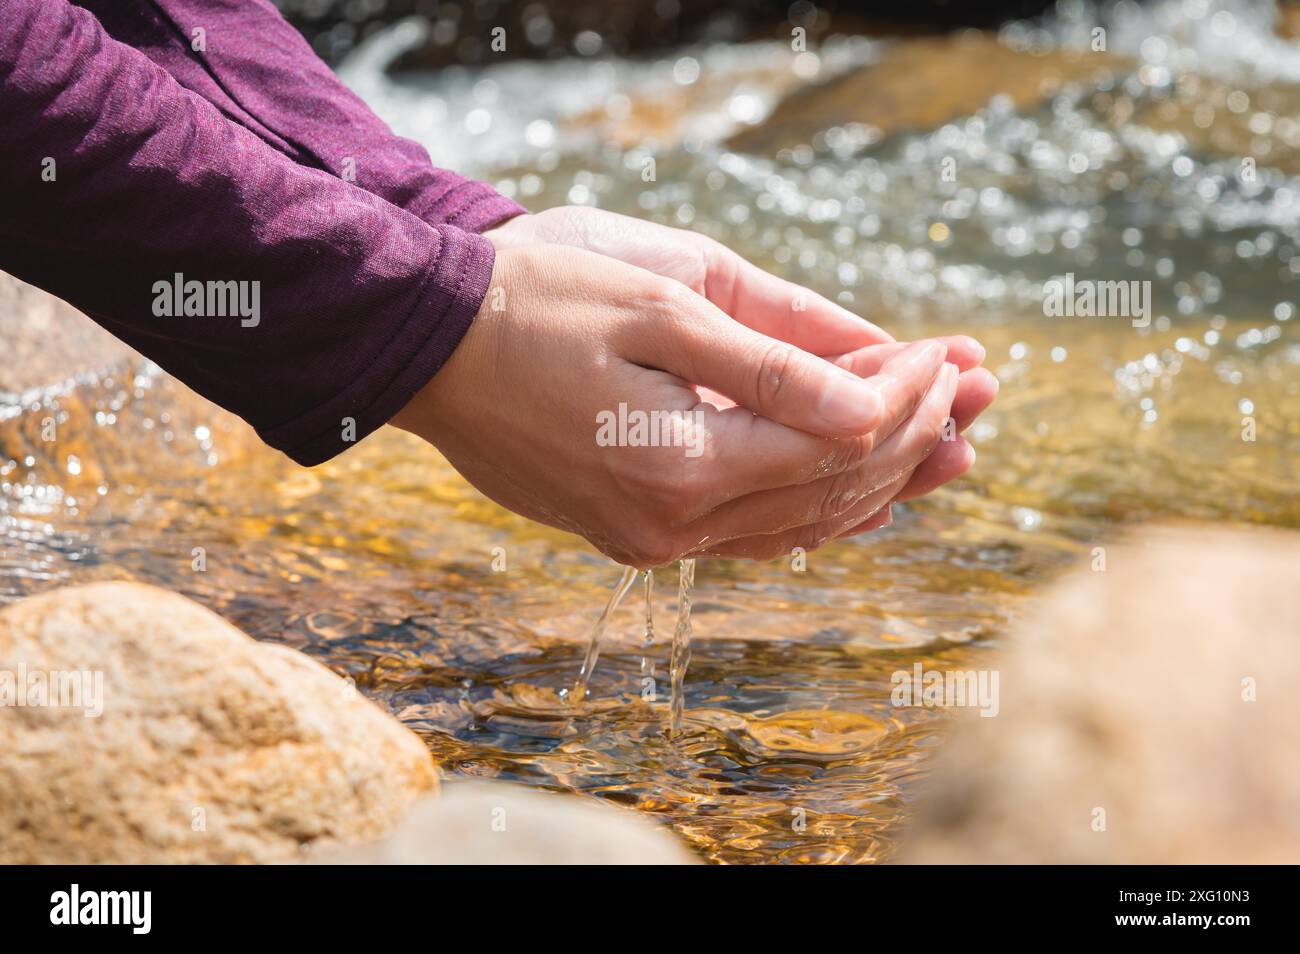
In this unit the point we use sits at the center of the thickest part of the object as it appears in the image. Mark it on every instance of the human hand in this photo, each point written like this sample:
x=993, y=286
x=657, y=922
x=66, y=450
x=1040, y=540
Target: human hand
x=516, y=408
x=773, y=306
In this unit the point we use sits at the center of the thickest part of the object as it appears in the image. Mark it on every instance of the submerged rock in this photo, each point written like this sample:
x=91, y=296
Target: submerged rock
x=493, y=823
x=1148, y=715
x=180, y=739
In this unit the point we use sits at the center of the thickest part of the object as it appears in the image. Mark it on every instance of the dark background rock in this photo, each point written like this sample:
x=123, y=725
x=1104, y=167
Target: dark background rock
x=544, y=30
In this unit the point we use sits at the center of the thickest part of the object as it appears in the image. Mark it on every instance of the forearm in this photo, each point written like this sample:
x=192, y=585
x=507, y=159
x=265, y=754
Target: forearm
x=114, y=180
x=259, y=72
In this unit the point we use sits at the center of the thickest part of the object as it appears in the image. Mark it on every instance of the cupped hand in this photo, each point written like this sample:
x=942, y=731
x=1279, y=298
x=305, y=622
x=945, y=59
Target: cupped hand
x=777, y=308
x=566, y=338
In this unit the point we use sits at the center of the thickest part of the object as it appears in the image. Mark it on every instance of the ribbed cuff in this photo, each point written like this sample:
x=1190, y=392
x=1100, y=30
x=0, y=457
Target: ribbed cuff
x=472, y=206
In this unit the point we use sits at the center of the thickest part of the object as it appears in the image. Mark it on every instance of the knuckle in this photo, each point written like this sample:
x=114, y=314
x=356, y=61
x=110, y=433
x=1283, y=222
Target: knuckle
x=848, y=454
x=839, y=495
x=719, y=270
x=776, y=366
x=665, y=295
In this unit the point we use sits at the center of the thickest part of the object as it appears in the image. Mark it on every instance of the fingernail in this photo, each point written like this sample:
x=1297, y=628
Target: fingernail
x=931, y=351
x=950, y=380
x=925, y=355
x=849, y=404
x=919, y=353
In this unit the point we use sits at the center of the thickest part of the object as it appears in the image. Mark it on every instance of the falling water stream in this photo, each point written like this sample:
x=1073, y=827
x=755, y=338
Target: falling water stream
x=681, y=657
x=579, y=691
x=681, y=649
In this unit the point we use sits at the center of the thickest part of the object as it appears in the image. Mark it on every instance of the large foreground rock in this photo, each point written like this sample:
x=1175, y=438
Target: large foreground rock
x=1149, y=713
x=495, y=823
x=211, y=747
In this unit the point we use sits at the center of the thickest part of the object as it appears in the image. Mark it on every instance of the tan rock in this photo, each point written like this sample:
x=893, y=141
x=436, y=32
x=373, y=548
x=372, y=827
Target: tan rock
x=211, y=747
x=495, y=823
x=922, y=83
x=1129, y=692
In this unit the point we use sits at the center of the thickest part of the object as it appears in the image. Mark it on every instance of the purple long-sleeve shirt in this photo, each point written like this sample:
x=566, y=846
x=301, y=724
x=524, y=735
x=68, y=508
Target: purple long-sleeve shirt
x=131, y=157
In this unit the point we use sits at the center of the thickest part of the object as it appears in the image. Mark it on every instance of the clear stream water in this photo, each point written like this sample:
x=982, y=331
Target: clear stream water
x=469, y=623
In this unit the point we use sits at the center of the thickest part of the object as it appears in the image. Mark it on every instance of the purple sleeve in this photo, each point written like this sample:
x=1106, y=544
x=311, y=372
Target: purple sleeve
x=260, y=72
x=318, y=302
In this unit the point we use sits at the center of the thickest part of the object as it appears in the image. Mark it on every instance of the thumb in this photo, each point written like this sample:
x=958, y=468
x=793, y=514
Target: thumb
x=767, y=376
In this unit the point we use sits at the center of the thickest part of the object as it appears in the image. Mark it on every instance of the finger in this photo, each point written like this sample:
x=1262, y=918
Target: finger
x=760, y=456
x=879, y=520
x=782, y=309
x=950, y=460
x=819, y=503
x=769, y=377
x=963, y=351
x=769, y=546
x=976, y=390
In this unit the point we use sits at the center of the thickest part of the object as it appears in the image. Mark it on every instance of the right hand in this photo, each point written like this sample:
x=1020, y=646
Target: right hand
x=515, y=411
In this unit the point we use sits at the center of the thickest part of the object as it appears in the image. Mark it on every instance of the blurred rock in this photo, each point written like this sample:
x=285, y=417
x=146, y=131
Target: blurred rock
x=47, y=340
x=491, y=823
x=1160, y=692
x=922, y=83
x=1288, y=20
x=210, y=747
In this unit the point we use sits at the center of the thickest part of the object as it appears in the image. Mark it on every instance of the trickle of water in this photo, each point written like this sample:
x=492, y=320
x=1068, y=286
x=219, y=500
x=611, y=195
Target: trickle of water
x=625, y=582
x=681, y=643
x=648, y=664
